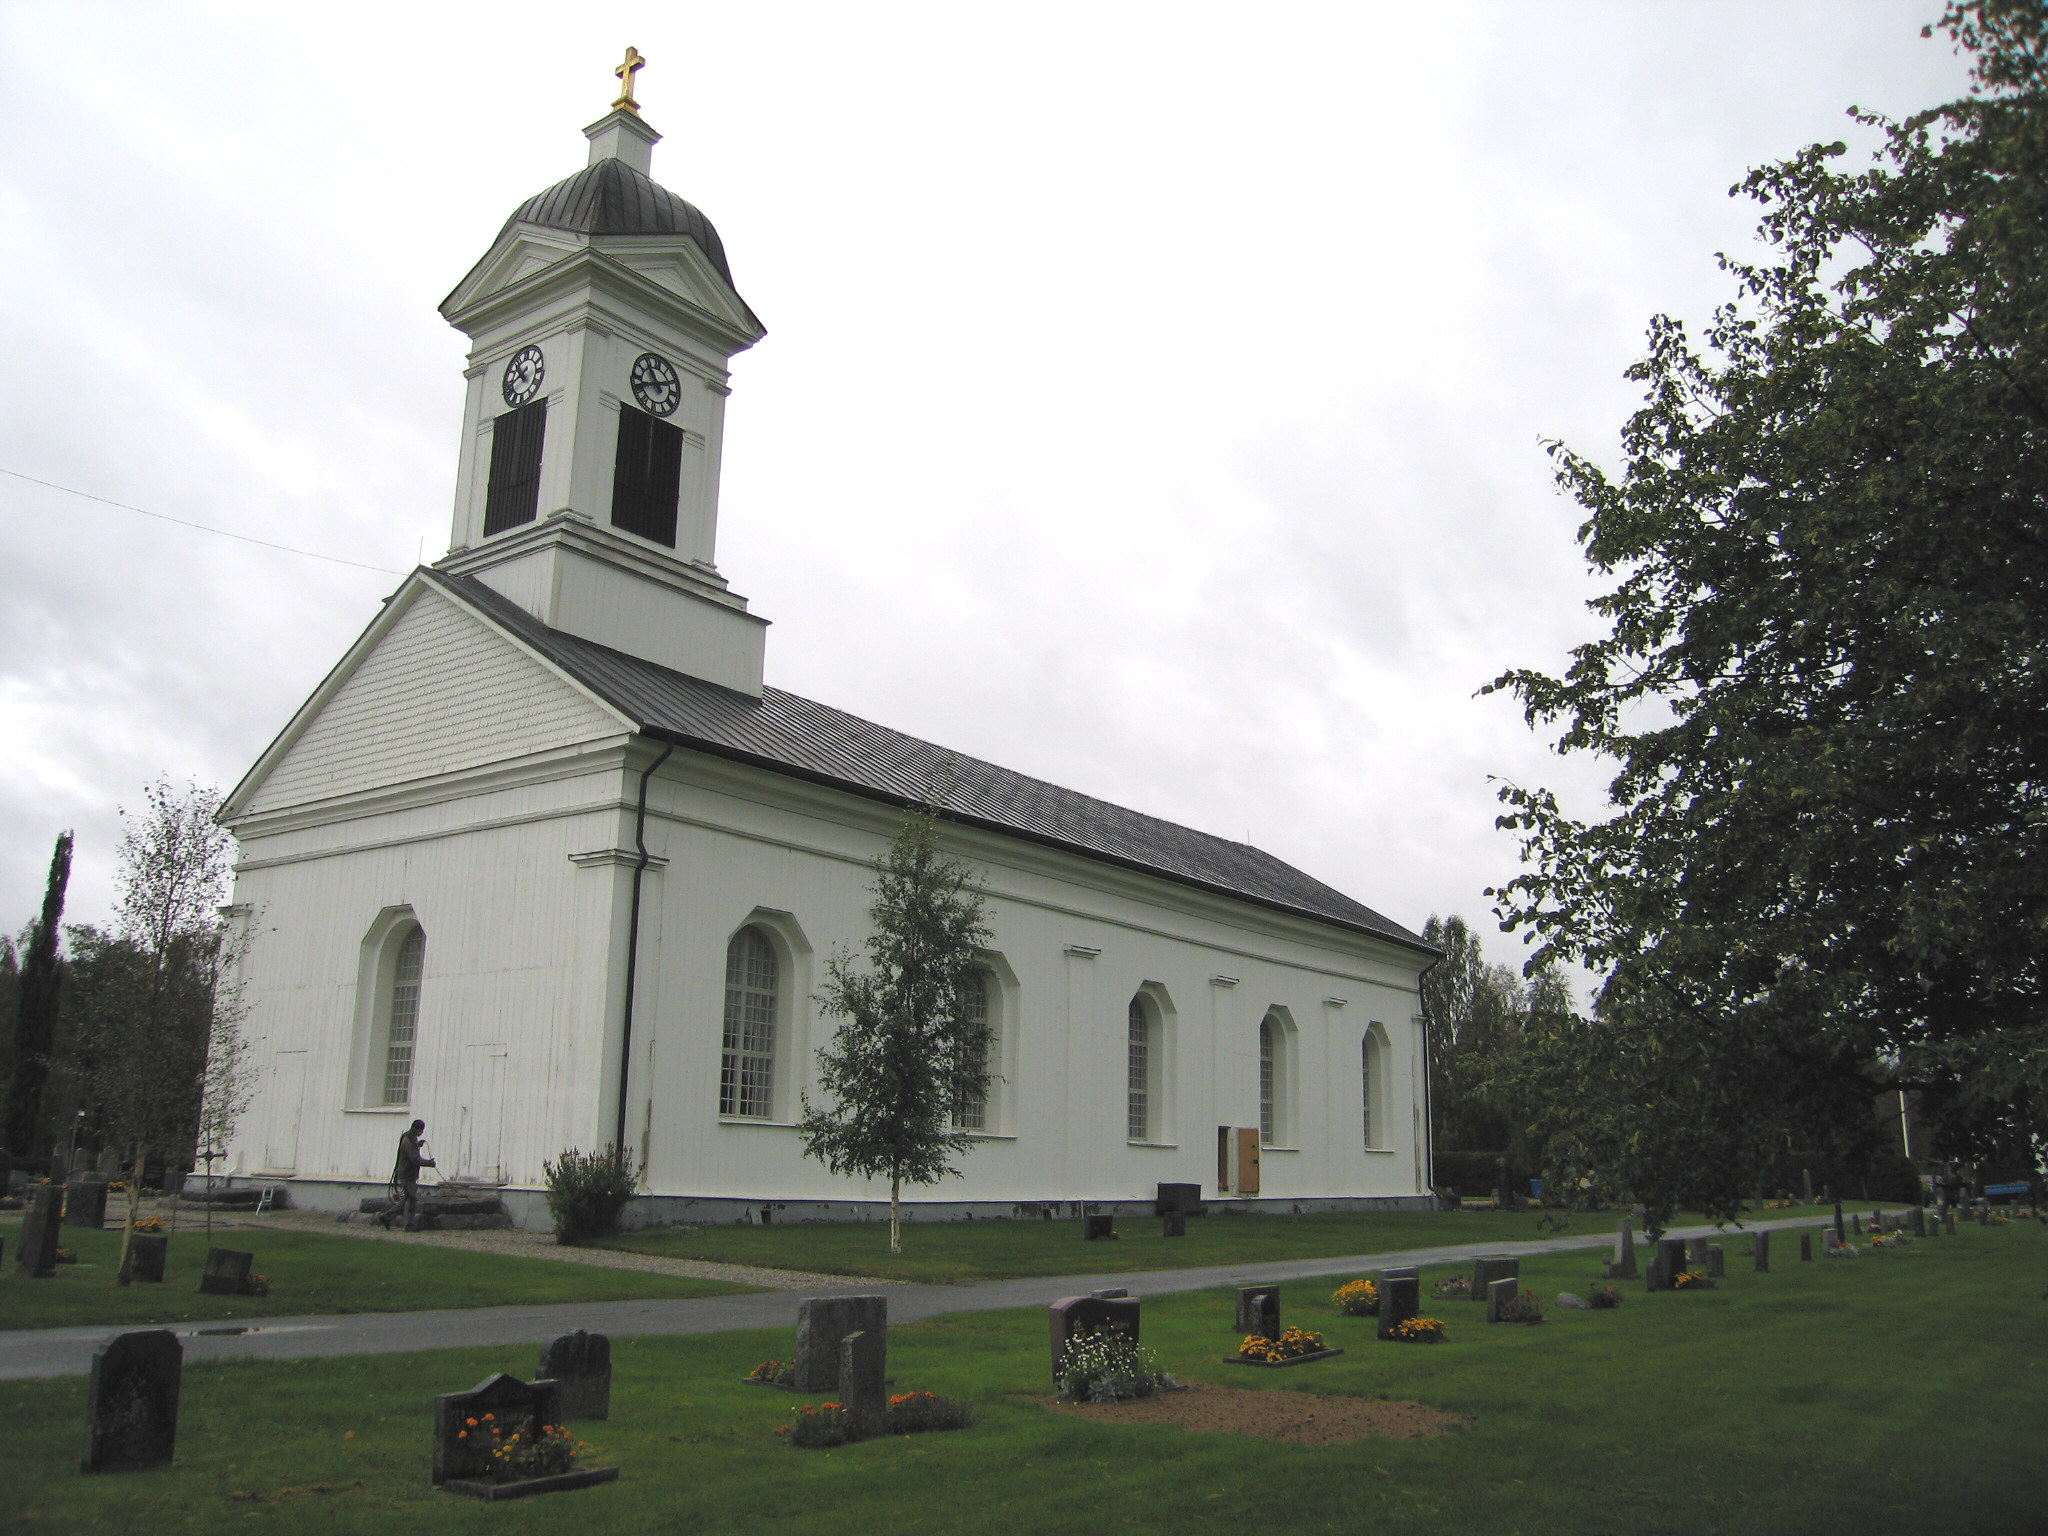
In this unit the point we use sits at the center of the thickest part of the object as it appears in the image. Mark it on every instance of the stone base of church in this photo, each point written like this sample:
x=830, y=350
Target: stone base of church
x=528, y=1208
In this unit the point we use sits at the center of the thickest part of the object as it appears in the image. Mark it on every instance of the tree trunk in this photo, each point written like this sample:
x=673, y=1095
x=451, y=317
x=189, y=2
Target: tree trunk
x=128, y=1222
x=895, y=1213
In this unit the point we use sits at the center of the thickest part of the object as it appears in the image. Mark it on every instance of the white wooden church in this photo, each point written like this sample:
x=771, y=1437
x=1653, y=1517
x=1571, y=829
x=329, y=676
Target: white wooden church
x=546, y=863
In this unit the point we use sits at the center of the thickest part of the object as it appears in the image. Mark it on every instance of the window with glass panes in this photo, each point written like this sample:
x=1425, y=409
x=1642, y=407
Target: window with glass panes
x=1268, y=1132
x=746, y=1078
x=971, y=1113
x=1139, y=1118
x=402, y=1016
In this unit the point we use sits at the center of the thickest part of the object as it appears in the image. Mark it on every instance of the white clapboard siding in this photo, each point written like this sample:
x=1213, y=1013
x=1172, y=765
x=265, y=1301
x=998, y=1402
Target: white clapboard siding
x=440, y=693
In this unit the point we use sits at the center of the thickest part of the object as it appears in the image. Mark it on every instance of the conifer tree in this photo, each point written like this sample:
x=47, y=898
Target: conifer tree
x=35, y=1019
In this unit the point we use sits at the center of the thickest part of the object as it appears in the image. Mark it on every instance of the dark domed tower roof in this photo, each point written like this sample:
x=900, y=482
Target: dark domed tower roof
x=611, y=198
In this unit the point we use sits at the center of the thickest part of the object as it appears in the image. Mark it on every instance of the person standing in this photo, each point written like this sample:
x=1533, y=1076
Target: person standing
x=405, y=1175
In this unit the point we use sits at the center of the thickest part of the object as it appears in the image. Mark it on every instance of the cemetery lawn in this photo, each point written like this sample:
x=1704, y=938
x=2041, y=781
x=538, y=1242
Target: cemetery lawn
x=1896, y=1393
x=312, y=1275
x=948, y=1251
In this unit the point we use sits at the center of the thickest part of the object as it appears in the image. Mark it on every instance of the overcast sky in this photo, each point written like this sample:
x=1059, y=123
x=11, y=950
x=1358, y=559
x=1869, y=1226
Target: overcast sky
x=1153, y=396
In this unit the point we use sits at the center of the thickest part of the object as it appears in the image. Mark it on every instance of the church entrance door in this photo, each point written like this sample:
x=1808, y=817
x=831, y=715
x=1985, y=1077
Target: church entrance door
x=479, y=1136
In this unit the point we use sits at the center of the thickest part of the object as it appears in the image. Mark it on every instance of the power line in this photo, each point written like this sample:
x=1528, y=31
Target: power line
x=202, y=527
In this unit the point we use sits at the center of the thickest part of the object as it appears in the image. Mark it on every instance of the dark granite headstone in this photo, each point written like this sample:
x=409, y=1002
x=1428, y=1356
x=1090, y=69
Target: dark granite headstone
x=1717, y=1261
x=1983, y=1216
x=227, y=1271
x=1492, y=1267
x=1258, y=1310
x=1696, y=1254
x=131, y=1404
x=515, y=1407
x=1072, y=1315
x=1841, y=1231
x=39, y=1229
x=146, y=1254
x=863, y=1380
x=580, y=1366
x=1095, y=1228
x=1174, y=1224
x=85, y=1204
x=1183, y=1198
x=1665, y=1263
x=1763, y=1253
x=1916, y=1220
x=1114, y=1293
x=1949, y=1221
x=821, y=1323
x=1500, y=1293
x=1856, y=1224
x=1400, y=1298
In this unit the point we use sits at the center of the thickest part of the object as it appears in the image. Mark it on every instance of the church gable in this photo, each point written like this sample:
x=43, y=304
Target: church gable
x=437, y=692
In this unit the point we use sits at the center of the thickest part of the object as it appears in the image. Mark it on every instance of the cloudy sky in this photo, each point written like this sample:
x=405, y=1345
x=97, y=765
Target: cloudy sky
x=1153, y=397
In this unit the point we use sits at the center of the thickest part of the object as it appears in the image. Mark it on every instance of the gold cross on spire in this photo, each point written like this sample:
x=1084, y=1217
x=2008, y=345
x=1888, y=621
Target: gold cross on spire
x=626, y=71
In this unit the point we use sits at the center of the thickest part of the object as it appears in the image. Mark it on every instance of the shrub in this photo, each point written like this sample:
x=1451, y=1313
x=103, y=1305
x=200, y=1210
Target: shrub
x=1419, y=1330
x=920, y=1413
x=1455, y=1288
x=824, y=1426
x=1292, y=1344
x=1609, y=1297
x=1108, y=1367
x=1524, y=1308
x=780, y=1372
x=587, y=1191
x=1357, y=1298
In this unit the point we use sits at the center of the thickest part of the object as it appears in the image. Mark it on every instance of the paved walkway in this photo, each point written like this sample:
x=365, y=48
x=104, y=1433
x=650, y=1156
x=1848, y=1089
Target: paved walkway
x=68, y=1351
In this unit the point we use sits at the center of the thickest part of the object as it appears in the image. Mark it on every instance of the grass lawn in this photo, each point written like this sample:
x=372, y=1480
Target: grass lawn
x=996, y=1250
x=1895, y=1392
x=311, y=1274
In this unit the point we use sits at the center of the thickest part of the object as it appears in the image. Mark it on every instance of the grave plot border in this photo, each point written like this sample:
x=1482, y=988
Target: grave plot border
x=561, y=1482
x=1280, y=1365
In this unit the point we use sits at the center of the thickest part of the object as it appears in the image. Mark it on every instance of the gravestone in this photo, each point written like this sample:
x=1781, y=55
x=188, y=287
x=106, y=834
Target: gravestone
x=39, y=1229
x=1696, y=1254
x=863, y=1380
x=1763, y=1253
x=580, y=1366
x=1841, y=1231
x=85, y=1204
x=1665, y=1263
x=131, y=1403
x=1949, y=1221
x=1174, y=1224
x=821, y=1323
x=1095, y=1228
x=1983, y=1216
x=1499, y=1294
x=146, y=1254
x=1623, y=1265
x=110, y=1162
x=1856, y=1225
x=1116, y=1294
x=1258, y=1310
x=1400, y=1298
x=1806, y=1247
x=1717, y=1261
x=1916, y=1219
x=515, y=1406
x=1074, y=1315
x=1573, y=1303
x=1183, y=1198
x=227, y=1271
x=1491, y=1268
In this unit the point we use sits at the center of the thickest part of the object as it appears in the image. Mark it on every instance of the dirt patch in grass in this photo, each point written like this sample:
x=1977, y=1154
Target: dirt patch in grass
x=1305, y=1418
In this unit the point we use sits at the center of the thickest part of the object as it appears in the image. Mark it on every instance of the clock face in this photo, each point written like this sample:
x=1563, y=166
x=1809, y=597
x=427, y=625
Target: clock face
x=655, y=384
x=523, y=375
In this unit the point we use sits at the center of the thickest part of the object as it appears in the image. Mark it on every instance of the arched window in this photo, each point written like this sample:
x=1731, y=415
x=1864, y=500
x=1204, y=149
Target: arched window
x=746, y=1077
x=401, y=1010
x=1269, y=1132
x=971, y=1113
x=1143, y=1067
x=1372, y=1082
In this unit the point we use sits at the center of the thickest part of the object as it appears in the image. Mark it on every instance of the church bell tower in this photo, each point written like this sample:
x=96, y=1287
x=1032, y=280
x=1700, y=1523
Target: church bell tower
x=602, y=321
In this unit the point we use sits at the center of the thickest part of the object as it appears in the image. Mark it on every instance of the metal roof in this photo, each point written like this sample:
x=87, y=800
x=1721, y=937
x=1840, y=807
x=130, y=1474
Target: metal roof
x=787, y=734
x=611, y=198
